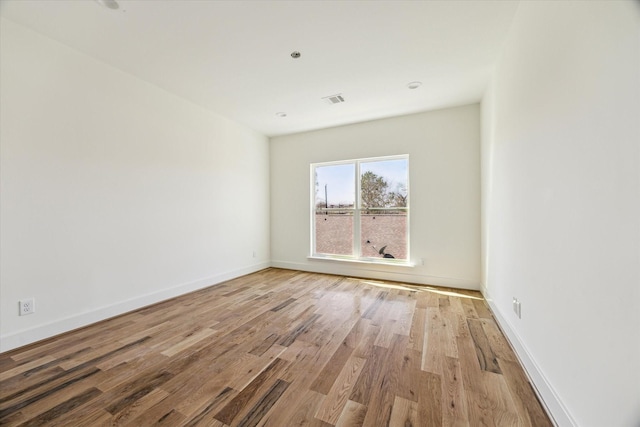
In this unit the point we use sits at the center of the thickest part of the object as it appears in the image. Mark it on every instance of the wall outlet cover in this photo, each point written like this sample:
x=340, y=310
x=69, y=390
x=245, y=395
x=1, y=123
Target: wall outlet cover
x=26, y=306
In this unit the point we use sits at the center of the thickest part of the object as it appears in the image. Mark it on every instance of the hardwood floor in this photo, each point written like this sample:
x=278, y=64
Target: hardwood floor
x=279, y=348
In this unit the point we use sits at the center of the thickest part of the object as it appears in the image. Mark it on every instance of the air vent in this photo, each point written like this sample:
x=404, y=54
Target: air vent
x=334, y=99
x=109, y=4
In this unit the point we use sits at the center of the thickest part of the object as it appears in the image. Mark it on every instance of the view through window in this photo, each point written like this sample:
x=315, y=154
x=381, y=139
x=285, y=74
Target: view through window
x=361, y=208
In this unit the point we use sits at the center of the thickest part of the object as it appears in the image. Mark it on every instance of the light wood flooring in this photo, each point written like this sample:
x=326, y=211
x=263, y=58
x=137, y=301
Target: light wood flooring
x=279, y=348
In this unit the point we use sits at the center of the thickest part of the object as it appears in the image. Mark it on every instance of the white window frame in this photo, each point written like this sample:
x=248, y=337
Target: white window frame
x=356, y=254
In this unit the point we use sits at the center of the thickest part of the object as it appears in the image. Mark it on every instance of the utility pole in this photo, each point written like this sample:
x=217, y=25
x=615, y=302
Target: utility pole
x=326, y=200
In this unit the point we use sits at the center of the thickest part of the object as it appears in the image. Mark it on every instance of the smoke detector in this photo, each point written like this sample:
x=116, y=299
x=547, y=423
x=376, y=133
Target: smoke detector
x=334, y=99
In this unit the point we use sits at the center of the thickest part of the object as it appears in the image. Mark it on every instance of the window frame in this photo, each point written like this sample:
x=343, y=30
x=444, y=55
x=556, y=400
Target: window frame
x=356, y=251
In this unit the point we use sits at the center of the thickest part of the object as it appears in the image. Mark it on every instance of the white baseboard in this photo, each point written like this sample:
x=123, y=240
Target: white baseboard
x=380, y=272
x=40, y=332
x=549, y=398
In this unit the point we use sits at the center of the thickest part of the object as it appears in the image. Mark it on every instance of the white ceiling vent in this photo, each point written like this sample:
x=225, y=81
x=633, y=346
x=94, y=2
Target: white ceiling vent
x=334, y=99
x=109, y=4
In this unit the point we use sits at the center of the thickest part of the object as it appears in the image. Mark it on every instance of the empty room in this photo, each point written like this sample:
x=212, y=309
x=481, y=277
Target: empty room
x=320, y=213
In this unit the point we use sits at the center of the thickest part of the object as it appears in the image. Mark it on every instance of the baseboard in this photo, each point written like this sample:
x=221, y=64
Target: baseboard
x=547, y=395
x=28, y=336
x=379, y=272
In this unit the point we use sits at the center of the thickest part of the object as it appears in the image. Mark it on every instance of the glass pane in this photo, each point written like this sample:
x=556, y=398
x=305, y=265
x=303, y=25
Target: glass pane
x=335, y=186
x=334, y=232
x=383, y=184
x=335, y=199
x=384, y=234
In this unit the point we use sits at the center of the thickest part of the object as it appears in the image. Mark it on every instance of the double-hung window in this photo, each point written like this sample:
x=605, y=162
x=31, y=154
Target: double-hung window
x=360, y=209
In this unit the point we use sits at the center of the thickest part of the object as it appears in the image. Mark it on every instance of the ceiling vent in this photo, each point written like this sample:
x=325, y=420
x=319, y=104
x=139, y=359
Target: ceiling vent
x=334, y=99
x=109, y=4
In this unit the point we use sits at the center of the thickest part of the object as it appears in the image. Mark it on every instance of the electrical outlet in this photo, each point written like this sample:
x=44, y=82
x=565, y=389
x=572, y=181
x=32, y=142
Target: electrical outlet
x=517, y=308
x=254, y=254
x=27, y=306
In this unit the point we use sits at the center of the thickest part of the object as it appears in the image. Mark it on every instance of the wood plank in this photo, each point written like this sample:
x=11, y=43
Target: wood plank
x=386, y=382
x=204, y=415
x=296, y=407
x=416, y=333
x=482, y=309
x=16, y=402
x=298, y=330
x=265, y=345
x=486, y=357
x=405, y=316
x=430, y=399
x=82, y=418
x=454, y=398
x=27, y=368
x=328, y=375
x=488, y=399
x=64, y=407
x=366, y=345
x=132, y=392
x=262, y=406
x=498, y=343
x=361, y=392
x=163, y=410
x=188, y=342
x=524, y=397
x=352, y=415
x=433, y=349
x=409, y=375
x=405, y=413
x=336, y=399
x=140, y=407
x=386, y=333
x=230, y=411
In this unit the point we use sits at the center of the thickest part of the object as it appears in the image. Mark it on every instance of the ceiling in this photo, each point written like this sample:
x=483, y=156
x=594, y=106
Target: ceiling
x=234, y=57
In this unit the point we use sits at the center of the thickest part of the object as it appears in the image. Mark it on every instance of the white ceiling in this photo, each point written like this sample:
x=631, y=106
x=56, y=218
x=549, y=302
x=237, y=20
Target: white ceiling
x=233, y=57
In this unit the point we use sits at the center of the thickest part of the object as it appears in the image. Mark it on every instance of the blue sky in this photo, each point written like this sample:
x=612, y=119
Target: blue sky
x=340, y=182
x=340, y=179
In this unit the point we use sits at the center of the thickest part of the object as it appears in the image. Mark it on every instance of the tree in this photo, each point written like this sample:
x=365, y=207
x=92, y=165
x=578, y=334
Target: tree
x=399, y=197
x=373, y=191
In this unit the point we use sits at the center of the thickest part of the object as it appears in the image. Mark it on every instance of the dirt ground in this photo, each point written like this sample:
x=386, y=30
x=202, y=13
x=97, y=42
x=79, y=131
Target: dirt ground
x=334, y=234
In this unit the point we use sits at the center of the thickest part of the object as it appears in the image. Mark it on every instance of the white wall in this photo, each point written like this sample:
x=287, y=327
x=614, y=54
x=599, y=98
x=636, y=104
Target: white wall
x=561, y=204
x=115, y=194
x=443, y=148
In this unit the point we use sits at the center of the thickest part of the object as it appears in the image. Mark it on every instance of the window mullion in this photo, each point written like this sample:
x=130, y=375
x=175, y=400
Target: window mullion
x=357, y=250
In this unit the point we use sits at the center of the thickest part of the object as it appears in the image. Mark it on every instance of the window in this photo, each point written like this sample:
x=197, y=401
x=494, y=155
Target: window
x=360, y=209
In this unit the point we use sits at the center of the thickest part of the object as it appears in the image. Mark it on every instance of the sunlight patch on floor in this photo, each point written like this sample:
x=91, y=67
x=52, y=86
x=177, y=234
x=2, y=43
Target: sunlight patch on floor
x=417, y=288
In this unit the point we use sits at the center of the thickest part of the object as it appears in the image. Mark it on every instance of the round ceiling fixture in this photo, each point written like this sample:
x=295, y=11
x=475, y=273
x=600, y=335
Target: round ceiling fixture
x=295, y=54
x=414, y=85
x=281, y=114
x=109, y=4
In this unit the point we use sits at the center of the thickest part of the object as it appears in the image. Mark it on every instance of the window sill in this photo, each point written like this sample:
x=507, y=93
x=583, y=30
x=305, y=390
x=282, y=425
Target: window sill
x=363, y=261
